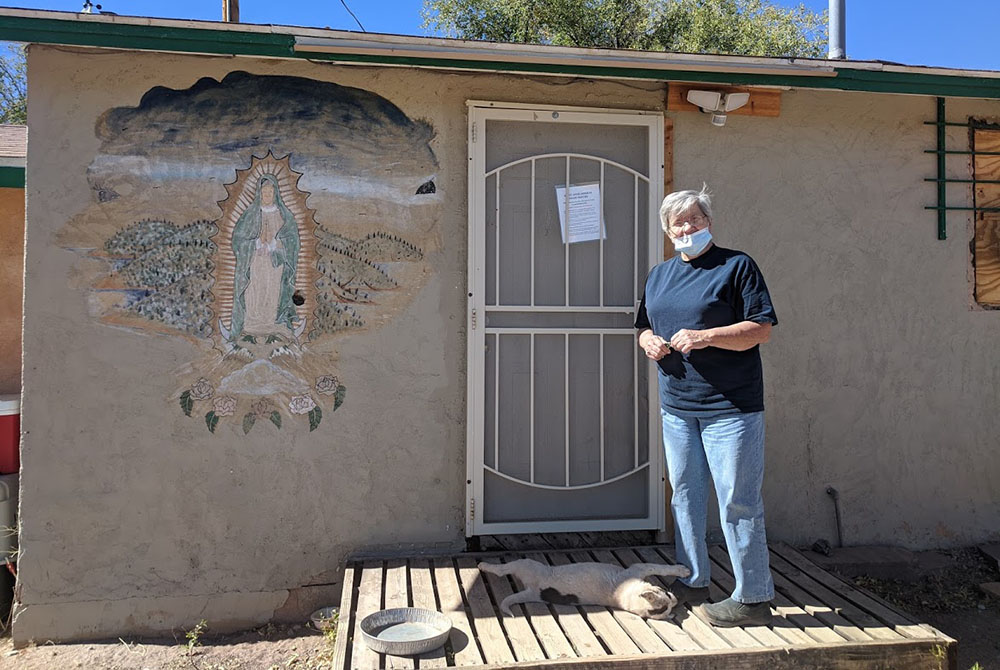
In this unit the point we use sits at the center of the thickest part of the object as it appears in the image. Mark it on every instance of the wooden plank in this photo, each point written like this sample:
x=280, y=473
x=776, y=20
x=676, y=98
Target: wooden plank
x=763, y=102
x=869, y=624
x=769, y=636
x=986, y=248
x=725, y=584
x=347, y=595
x=689, y=632
x=489, y=632
x=369, y=601
x=781, y=625
x=648, y=641
x=567, y=540
x=810, y=625
x=489, y=543
x=600, y=618
x=396, y=595
x=817, y=608
x=462, y=641
x=902, y=655
x=900, y=623
x=736, y=637
x=523, y=542
x=584, y=642
x=422, y=594
x=519, y=633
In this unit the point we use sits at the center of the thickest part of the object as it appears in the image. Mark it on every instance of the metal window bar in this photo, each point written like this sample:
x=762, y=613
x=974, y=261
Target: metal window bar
x=532, y=241
x=566, y=396
x=600, y=242
x=496, y=230
x=942, y=179
x=496, y=402
x=531, y=412
x=601, y=336
x=566, y=245
x=635, y=300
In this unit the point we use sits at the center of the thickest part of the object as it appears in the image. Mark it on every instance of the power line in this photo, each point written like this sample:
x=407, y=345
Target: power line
x=344, y=3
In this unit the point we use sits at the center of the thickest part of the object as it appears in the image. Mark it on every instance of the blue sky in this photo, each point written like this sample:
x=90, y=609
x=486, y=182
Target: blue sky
x=960, y=33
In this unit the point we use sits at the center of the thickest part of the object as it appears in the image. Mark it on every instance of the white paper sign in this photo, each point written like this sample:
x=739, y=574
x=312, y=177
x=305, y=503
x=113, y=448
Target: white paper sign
x=584, y=217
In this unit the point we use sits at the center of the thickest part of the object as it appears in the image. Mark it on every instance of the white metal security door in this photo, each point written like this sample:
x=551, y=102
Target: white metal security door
x=562, y=422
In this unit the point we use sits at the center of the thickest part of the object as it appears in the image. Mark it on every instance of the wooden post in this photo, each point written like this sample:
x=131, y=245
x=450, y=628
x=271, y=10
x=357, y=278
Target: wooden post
x=231, y=11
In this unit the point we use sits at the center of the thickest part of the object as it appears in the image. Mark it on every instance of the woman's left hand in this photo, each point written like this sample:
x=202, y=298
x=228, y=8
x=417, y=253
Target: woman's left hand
x=685, y=340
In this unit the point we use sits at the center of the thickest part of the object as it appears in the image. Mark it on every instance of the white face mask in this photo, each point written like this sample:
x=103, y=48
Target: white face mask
x=693, y=244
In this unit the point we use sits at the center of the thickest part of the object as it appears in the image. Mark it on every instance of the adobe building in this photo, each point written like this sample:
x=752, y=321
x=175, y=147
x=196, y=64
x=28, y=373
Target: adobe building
x=294, y=293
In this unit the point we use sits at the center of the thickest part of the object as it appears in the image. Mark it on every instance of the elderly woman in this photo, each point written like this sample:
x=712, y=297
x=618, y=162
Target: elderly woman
x=702, y=317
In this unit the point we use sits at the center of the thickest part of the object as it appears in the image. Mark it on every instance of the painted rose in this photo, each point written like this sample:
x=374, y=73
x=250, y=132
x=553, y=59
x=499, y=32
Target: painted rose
x=327, y=384
x=202, y=389
x=224, y=405
x=301, y=404
x=262, y=407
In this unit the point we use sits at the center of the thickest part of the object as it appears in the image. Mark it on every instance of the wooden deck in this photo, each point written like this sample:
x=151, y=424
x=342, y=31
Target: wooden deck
x=820, y=621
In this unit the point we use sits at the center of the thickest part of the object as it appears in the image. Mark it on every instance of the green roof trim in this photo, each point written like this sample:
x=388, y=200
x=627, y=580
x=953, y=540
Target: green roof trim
x=149, y=38
x=282, y=45
x=846, y=79
x=11, y=177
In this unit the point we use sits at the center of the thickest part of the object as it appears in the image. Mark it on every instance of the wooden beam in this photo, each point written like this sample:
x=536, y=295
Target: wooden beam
x=347, y=594
x=422, y=592
x=369, y=601
x=763, y=101
x=903, y=655
x=462, y=641
x=668, y=247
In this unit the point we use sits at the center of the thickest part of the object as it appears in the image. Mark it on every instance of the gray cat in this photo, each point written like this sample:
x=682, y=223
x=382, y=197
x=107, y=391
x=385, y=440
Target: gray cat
x=591, y=584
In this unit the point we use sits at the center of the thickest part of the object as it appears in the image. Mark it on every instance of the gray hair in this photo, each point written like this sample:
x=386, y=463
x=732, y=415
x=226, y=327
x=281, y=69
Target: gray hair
x=678, y=201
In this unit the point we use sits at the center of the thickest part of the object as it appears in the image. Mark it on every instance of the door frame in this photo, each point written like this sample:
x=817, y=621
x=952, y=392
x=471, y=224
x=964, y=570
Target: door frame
x=478, y=113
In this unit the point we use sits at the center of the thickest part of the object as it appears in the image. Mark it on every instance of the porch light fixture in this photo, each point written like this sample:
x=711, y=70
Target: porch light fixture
x=717, y=104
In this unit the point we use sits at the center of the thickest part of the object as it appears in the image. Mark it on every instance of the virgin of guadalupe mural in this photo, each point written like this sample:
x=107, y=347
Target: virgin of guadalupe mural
x=266, y=233
x=265, y=281
x=265, y=242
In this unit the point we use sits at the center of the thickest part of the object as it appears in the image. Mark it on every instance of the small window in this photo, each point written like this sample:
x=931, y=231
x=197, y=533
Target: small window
x=986, y=250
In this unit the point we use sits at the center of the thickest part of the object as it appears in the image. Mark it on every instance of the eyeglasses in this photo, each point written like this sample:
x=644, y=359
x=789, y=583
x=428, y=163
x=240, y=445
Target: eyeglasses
x=696, y=221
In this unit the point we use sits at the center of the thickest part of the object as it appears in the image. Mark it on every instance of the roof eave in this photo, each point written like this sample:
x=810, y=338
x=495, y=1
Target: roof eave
x=169, y=35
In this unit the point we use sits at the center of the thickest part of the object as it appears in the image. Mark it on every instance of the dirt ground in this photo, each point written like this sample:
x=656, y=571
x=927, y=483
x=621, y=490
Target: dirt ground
x=949, y=599
x=267, y=648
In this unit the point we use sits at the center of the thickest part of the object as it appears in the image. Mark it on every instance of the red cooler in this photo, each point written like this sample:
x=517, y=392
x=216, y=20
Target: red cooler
x=10, y=433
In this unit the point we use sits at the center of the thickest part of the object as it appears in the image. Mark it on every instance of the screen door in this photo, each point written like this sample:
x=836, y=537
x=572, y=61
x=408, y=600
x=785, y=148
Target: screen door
x=563, y=228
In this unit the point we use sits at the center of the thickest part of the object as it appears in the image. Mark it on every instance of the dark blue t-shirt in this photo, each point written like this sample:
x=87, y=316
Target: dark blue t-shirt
x=719, y=288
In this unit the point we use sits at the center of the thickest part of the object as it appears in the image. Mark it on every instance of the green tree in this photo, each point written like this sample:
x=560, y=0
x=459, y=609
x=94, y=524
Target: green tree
x=747, y=27
x=13, y=84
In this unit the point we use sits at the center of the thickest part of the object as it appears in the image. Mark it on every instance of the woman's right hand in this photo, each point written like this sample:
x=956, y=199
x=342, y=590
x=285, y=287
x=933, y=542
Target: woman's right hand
x=655, y=346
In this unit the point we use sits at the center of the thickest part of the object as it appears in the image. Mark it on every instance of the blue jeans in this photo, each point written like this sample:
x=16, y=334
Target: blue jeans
x=727, y=450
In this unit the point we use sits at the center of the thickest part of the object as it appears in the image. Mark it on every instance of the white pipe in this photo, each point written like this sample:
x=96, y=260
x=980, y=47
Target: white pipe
x=838, y=38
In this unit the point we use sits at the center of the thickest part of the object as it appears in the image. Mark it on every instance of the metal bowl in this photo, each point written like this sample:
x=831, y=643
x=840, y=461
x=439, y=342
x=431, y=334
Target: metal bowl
x=405, y=631
x=324, y=618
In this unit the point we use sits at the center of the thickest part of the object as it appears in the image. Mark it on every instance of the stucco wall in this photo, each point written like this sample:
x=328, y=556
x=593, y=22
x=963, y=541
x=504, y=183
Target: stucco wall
x=169, y=519
x=11, y=279
x=880, y=377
